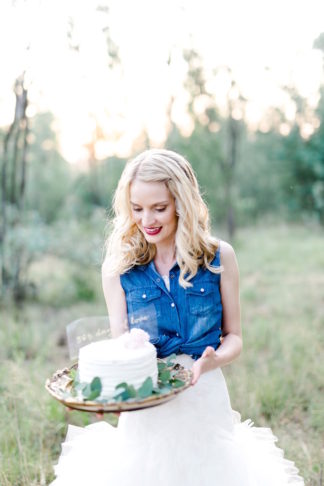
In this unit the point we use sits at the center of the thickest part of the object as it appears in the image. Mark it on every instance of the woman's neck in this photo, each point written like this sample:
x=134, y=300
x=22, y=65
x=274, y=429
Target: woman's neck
x=164, y=259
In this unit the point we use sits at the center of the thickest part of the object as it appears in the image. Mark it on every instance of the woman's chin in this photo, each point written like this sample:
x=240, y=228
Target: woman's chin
x=152, y=238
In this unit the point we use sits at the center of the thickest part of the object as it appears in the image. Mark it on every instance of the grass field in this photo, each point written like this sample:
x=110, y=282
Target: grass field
x=277, y=381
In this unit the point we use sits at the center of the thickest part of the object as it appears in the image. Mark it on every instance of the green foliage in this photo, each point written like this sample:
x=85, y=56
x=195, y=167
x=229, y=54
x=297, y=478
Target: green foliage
x=49, y=177
x=304, y=159
x=259, y=177
x=96, y=187
x=27, y=239
x=127, y=392
x=89, y=391
x=83, y=289
x=165, y=376
x=146, y=389
x=72, y=260
x=275, y=173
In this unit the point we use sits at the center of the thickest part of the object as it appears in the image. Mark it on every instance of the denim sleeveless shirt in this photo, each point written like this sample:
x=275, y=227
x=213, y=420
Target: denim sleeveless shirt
x=180, y=320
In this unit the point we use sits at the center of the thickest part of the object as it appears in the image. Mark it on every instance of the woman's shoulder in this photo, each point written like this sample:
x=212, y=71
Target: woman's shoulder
x=225, y=249
x=224, y=255
x=227, y=255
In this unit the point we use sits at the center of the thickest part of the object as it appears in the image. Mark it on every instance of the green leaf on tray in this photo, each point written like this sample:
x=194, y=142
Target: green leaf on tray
x=161, y=366
x=163, y=390
x=170, y=359
x=93, y=395
x=146, y=389
x=127, y=392
x=73, y=374
x=165, y=376
x=89, y=391
x=176, y=383
x=86, y=390
x=122, y=396
x=95, y=389
x=96, y=384
x=121, y=385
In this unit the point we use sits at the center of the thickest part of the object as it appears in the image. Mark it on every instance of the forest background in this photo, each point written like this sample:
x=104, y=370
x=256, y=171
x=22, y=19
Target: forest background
x=264, y=185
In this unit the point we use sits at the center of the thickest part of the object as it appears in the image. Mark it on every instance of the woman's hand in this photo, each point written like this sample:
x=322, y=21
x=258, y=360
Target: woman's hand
x=207, y=361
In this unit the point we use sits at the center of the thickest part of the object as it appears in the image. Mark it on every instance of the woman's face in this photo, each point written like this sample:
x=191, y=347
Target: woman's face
x=154, y=211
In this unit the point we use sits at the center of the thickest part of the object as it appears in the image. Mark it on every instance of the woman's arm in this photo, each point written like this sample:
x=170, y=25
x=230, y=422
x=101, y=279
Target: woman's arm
x=232, y=335
x=116, y=303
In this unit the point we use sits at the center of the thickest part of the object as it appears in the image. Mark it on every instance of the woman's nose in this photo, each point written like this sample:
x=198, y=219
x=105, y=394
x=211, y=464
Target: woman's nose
x=147, y=218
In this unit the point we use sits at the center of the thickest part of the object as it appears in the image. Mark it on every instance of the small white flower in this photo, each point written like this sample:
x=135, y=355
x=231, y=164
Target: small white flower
x=136, y=338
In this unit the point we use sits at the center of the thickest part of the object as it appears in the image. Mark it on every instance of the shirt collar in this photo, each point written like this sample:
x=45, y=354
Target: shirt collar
x=151, y=265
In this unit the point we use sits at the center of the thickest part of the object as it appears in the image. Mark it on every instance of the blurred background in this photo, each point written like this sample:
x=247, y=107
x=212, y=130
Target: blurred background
x=238, y=89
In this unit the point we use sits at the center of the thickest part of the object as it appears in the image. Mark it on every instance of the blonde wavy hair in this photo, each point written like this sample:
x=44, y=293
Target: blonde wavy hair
x=127, y=247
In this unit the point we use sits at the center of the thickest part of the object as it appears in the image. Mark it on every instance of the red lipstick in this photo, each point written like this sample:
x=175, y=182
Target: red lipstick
x=152, y=231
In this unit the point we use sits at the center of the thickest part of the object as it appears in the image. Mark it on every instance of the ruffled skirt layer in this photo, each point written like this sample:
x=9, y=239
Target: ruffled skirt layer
x=195, y=439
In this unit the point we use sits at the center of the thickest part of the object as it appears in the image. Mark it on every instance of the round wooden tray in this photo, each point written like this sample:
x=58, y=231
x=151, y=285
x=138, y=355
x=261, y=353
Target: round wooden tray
x=60, y=384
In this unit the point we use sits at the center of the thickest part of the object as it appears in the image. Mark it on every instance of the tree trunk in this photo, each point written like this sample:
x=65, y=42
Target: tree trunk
x=23, y=165
x=4, y=197
x=12, y=188
x=13, y=181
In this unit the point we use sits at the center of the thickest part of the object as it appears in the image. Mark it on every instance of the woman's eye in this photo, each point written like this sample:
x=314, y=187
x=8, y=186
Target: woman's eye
x=160, y=210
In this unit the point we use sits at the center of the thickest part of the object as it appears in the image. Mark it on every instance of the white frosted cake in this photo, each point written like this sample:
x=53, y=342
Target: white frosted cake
x=130, y=358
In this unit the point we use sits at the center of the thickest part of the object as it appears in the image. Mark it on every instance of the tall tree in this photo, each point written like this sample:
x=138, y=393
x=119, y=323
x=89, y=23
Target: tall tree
x=235, y=111
x=13, y=178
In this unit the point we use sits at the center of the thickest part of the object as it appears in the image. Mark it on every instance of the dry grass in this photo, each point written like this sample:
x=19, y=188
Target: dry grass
x=278, y=380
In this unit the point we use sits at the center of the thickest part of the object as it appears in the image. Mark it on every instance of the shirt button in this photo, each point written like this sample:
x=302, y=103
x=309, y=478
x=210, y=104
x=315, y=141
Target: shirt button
x=172, y=304
x=158, y=280
x=177, y=334
x=144, y=296
x=172, y=275
x=202, y=289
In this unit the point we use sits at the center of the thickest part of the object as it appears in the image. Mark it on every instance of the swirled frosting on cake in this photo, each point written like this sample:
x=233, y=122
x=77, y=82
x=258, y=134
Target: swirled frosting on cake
x=130, y=358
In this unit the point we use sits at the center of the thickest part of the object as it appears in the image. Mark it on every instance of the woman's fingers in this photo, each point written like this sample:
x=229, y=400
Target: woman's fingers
x=193, y=380
x=195, y=372
x=199, y=364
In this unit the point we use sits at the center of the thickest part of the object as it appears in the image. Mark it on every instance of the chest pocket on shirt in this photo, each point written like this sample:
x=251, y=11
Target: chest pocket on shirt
x=144, y=310
x=144, y=304
x=201, y=299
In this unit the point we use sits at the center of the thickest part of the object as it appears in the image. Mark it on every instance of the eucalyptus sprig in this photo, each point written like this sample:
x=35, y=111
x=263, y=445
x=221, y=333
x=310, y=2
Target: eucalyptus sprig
x=89, y=391
x=166, y=381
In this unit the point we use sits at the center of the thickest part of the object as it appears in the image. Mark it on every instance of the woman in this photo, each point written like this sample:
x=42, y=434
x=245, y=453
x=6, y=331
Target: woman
x=165, y=273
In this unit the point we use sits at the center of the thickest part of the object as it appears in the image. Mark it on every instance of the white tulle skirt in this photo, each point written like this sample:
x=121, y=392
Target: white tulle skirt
x=195, y=439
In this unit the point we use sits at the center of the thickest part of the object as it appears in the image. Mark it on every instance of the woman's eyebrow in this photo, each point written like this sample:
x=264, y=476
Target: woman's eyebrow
x=155, y=204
